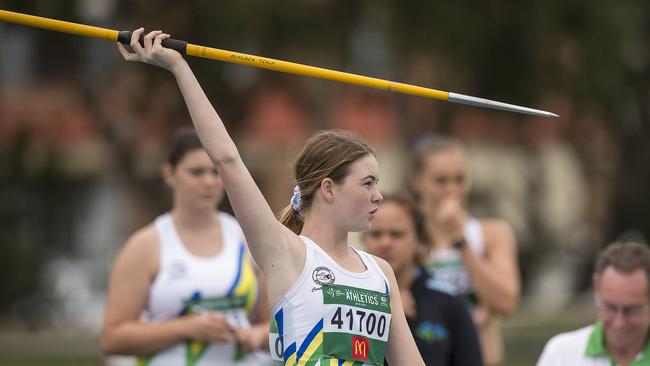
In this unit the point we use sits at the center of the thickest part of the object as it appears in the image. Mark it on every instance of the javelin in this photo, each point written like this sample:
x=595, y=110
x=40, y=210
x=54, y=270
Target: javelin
x=266, y=63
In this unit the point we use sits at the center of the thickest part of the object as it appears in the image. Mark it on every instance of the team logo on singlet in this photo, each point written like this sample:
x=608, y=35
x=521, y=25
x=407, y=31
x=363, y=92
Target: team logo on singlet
x=177, y=270
x=322, y=276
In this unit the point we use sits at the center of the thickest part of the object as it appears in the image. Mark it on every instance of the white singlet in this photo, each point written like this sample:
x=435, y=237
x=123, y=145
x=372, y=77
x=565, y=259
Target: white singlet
x=188, y=284
x=446, y=265
x=332, y=316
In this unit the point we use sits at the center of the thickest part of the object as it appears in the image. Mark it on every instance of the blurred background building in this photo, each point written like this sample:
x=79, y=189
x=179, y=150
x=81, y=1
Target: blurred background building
x=83, y=135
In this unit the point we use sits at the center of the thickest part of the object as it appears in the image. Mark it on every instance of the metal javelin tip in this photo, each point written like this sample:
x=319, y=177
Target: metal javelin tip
x=486, y=103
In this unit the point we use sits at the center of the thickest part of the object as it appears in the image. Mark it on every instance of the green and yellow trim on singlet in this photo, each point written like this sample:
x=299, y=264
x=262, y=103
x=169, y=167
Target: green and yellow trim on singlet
x=245, y=284
x=311, y=352
x=322, y=346
x=243, y=293
x=142, y=361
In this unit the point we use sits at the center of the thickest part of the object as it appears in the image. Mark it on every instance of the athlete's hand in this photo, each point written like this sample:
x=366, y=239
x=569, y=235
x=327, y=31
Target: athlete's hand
x=153, y=52
x=209, y=327
x=451, y=218
x=252, y=338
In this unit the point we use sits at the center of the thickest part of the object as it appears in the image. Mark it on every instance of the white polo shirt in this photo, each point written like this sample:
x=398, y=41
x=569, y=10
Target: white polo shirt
x=583, y=347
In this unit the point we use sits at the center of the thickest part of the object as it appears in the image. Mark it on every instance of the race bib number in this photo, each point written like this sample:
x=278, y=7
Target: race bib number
x=233, y=308
x=356, y=324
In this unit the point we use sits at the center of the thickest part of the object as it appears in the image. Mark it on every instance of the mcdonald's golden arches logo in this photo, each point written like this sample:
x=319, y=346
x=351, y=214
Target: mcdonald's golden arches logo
x=360, y=348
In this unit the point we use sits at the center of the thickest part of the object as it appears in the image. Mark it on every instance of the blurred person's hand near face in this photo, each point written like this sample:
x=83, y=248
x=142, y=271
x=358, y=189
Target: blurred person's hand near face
x=442, y=188
x=450, y=217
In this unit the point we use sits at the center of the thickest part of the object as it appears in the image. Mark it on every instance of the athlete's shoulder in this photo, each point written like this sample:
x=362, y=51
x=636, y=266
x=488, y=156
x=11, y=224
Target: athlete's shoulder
x=385, y=267
x=141, y=250
x=497, y=230
x=494, y=224
x=144, y=237
x=381, y=262
x=227, y=217
x=229, y=222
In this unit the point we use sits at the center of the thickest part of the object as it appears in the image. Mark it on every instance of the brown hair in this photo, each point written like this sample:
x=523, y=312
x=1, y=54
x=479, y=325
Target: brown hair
x=430, y=144
x=184, y=140
x=625, y=256
x=326, y=154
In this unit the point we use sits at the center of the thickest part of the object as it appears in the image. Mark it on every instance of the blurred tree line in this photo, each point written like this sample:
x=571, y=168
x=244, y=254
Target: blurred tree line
x=595, y=54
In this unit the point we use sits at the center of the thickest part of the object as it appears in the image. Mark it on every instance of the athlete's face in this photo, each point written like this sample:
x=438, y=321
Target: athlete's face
x=623, y=307
x=357, y=196
x=195, y=181
x=442, y=177
x=393, y=236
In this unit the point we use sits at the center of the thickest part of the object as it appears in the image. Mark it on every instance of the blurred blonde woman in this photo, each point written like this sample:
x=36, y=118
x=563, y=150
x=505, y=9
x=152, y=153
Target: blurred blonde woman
x=475, y=258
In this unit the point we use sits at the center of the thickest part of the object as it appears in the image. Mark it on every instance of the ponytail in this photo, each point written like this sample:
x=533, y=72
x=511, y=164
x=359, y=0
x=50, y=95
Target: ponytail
x=291, y=219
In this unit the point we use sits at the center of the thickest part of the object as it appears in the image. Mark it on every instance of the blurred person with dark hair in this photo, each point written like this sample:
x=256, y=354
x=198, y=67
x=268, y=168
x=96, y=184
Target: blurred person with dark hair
x=621, y=282
x=440, y=323
x=475, y=259
x=184, y=290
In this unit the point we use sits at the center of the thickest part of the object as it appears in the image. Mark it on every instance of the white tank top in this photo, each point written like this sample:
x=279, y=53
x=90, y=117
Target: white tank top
x=446, y=265
x=332, y=316
x=188, y=284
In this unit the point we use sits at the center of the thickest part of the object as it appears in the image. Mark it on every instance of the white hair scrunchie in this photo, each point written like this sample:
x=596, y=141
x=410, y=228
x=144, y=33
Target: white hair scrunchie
x=296, y=199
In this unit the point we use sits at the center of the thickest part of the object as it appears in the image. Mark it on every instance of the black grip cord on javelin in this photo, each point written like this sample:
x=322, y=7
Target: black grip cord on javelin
x=124, y=37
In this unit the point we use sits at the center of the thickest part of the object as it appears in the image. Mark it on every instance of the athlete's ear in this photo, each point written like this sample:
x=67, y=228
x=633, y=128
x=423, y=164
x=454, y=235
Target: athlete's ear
x=595, y=282
x=168, y=174
x=327, y=189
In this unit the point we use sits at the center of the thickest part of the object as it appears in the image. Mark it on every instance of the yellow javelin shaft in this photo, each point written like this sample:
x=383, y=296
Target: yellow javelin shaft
x=266, y=63
x=58, y=25
x=299, y=69
x=227, y=56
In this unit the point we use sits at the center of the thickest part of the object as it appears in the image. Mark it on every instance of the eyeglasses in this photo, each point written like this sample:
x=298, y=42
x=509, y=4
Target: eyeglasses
x=628, y=312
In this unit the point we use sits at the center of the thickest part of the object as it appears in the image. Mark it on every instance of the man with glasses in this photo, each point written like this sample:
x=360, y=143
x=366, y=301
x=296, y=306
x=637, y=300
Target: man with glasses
x=622, y=295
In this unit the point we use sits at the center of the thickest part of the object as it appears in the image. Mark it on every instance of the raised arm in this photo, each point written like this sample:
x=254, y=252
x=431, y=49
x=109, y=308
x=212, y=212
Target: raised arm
x=271, y=244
